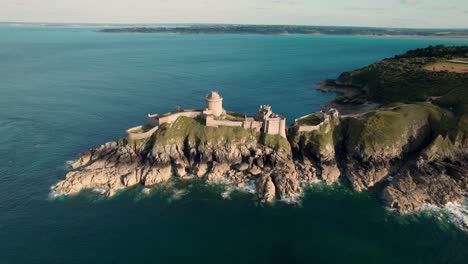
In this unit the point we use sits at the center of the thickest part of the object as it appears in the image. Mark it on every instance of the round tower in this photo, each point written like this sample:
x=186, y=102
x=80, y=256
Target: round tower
x=214, y=103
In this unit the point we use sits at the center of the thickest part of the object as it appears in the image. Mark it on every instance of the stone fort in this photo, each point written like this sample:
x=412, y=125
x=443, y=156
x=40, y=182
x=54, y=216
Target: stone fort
x=264, y=121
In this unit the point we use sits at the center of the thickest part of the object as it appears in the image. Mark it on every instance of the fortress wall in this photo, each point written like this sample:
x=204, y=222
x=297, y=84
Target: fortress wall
x=211, y=122
x=169, y=118
x=282, y=127
x=308, y=128
x=273, y=126
x=132, y=133
x=153, y=120
x=251, y=124
x=134, y=129
x=331, y=116
x=319, y=114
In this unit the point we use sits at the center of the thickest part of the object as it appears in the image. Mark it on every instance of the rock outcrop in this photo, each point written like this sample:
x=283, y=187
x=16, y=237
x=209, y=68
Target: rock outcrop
x=117, y=165
x=399, y=148
x=439, y=176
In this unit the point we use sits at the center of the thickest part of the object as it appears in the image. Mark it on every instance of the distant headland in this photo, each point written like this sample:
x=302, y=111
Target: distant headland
x=290, y=29
x=399, y=128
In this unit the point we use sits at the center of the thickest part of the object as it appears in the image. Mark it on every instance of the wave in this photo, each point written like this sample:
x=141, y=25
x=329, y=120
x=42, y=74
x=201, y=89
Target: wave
x=457, y=213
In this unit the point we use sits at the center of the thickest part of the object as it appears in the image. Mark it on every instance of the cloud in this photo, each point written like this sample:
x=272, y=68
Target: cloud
x=355, y=8
x=410, y=2
x=288, y=2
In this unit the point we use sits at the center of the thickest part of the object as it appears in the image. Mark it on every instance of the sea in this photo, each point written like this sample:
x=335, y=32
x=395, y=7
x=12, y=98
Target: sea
x=64, y=90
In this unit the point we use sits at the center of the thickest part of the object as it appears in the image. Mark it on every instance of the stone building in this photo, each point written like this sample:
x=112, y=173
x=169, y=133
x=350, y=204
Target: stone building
x=214, y=104
x=272, y=123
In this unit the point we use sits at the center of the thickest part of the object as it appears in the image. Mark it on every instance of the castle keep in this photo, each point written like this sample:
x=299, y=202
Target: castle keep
x=264, y=121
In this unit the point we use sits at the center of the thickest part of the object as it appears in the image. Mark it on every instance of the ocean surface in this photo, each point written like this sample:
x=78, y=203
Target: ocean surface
x=64, y=90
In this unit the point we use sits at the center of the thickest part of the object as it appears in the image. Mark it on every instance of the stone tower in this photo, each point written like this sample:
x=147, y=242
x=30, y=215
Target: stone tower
x=214, y=103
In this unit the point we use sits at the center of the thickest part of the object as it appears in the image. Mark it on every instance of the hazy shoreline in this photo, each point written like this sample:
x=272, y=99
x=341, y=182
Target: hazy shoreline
x=218, y=29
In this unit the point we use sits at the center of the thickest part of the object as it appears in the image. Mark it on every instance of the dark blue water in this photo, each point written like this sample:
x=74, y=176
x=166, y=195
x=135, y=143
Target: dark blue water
x=65, y=90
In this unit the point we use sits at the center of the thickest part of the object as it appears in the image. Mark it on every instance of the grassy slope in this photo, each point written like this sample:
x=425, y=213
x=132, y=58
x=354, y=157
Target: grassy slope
x=185, y=128
x=405, y=79
x=393, y=127
x=310, y=121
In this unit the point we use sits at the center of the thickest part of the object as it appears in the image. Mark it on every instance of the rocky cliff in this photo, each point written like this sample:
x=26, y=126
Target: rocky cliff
x=399, y=148
x=187, y=149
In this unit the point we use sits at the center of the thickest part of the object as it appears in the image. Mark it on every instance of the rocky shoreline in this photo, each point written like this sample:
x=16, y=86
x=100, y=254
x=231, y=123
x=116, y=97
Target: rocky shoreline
x=407, y=174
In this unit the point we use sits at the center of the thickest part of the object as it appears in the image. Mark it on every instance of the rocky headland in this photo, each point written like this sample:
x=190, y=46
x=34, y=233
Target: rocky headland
x=409, y=145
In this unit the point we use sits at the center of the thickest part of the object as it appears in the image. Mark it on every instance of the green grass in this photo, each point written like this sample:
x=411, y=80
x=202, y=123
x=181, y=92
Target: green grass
x=320, y=140
x=274, y=141
x=195, y=132
x=185, y=128
x=231, y=117
x=405, y=79
x=393, y=126
x=311, y=120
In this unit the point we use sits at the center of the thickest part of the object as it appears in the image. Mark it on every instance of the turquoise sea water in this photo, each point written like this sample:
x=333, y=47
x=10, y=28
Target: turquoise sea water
x=65, y=90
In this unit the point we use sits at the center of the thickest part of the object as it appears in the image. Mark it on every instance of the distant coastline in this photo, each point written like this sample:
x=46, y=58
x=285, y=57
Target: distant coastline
x=296, y=30
x=256, y=29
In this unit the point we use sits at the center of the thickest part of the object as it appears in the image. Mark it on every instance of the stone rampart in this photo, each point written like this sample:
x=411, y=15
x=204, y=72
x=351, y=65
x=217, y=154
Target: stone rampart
x=252, y=124
x=211, y=122
x=330, y=115
x=136, y=133
x=171, y=117
x=308, y=128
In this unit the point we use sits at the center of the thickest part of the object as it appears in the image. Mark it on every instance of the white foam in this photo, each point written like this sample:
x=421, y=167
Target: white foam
x=101, y=191
x=295, y=199
x=247, y=187
x=457, y=212
x=227, y=193
x=54, y=194
x=146, y=191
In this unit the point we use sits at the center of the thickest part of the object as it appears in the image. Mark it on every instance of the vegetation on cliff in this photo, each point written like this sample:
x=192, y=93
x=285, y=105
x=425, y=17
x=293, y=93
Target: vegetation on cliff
x=318, y=141
x=396, y=126
x=406, y=79
x=195, y=132
x=416, y=144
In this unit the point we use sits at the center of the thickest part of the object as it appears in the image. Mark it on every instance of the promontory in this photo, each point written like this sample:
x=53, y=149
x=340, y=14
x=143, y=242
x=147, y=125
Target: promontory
x=398, y=128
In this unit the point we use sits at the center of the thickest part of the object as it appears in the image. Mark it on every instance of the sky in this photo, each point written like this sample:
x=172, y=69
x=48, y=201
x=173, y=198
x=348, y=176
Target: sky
x=376, y=13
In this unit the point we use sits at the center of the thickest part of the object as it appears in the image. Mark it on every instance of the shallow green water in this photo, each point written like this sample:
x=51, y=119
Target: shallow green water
x=65, y=90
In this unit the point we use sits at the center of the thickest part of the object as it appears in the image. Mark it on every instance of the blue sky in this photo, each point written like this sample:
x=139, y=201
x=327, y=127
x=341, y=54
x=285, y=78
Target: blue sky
x=381, y=13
